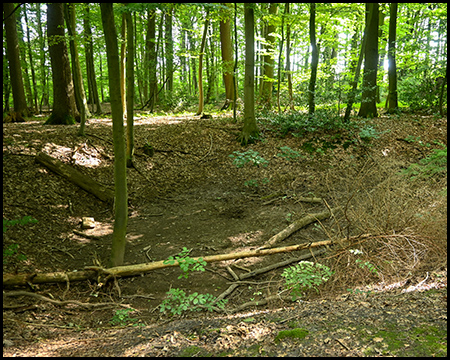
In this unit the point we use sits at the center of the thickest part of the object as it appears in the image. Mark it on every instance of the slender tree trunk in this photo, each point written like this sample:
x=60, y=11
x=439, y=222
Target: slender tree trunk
x=369, y=87
x=250, y=130
x=130, y=90
x=314, y=60
x=80, y=97
x=64, y=106
x=227, y=58
x=392, y=69
x=169, y=49
x=288, y=60
x=267, y=84
x=30, y=57
x=120, y=171
x=280, y=63
x=200, y=66
x=151, y=51
x=15, y=68
x=123, y=44
x=90, y=68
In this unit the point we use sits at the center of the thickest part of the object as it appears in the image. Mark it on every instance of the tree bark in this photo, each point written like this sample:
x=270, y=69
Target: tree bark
x=250, y=129
x=64, y=106
x=91, y=272
x=76, y=177
x=227, y=56
x=15, y=68
x=200, y=67
x=120, y=171
x=314, y=60
x=392, y=69
x=369, y=88
x=130, y=90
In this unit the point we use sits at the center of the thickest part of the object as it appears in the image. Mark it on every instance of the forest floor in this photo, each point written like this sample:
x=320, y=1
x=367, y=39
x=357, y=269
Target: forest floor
x=190, y=194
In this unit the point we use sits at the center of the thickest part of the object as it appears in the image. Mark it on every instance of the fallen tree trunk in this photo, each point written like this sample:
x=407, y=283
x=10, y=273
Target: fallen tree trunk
x=296, y=225
x=131, y=270
x=76, y=177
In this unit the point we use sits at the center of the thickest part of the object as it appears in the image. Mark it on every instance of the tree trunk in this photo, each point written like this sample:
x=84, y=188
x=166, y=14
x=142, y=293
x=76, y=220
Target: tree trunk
x=392, y=69
x=288, y=60
x=267, y=84
x=169, y=49
x=200, y=66
x=76, y=177
x=30, y=57
x=80, y=96
x=227, y=57
x=90, y=68
x=120, y=174
x=123, y=45
x=314, y=60
x=64, y=106
x=369, y=87
x=15, y=68
x=250, y=130
x=150, y=44
x=130, y=90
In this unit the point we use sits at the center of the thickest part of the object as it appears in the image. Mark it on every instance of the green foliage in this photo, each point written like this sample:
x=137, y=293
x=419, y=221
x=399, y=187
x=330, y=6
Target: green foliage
x=10, y=253
x=366, y=264
x=369, y=133
x=25, y=220
x=122, y=318
x=254, y=183
x=187, y=264
x=297, y=333
x=178, y=302
x=289, y=154
x=433, y=164
x=249, y=156
x=305, y=275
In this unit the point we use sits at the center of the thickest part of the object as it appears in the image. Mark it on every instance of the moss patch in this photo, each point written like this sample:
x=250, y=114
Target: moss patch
x=297, y=333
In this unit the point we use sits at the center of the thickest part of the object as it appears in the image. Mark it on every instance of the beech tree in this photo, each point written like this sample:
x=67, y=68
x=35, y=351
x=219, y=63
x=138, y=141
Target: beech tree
x=314, y=59
x=15, y=68
x=369, y=95
x=392, y=100
x=64, y=107
x=250, y=129
x=120, y=171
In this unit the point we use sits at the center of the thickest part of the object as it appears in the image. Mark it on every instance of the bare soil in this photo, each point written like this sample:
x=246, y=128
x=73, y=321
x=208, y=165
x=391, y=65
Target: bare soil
x=189, y=194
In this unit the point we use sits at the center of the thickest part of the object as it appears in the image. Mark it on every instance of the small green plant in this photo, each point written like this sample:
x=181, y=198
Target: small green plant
x=187, y=264
x=251, y=183
x=178, y=302
x=369, y=133
x=289, y=154
x=365, y=264
x=122, y=317
x=10, y=253
x=305, y=275
x=433, y=164
x=249, y=156
x=25, y=220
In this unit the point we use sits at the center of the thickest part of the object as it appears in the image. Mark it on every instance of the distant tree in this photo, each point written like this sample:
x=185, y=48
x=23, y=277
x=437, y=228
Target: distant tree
x=250, y=129
x=200, y=66
x=89, y=56
x=64, y=107
x=120, y=170
x=269, y=78
x=15, y=68
x=392, y=68
x=130, y=89
x=227, y=57
x=80, y=96
x=369, y=87
x=314, y=60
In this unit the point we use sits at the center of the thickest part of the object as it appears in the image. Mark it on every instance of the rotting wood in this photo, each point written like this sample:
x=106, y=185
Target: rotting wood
x=296, y=225
x=131, y=270
x=76, y=177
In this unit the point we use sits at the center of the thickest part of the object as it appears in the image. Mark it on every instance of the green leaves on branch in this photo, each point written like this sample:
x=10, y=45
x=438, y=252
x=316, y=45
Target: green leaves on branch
x=187, y=264
x=249, y=156
x=305, y=275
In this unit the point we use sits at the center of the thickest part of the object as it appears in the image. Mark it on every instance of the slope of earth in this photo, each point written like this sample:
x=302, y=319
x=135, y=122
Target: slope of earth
x=189, y=194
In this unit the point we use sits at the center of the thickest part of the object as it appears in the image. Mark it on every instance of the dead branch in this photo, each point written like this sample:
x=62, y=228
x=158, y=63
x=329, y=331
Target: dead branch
x=76, y=177
x=57, y=302
x=131, y=270
x=296, y=225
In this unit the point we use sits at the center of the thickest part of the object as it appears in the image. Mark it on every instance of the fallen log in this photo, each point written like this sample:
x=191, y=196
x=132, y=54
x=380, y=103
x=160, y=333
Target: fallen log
x=76, y=177
x=296, y=225
x=92, y=272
